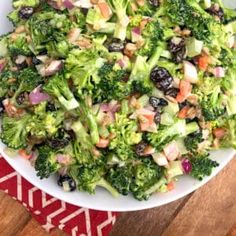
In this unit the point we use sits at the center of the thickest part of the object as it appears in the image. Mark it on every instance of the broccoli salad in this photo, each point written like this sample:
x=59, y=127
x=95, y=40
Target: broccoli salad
x=127, y=95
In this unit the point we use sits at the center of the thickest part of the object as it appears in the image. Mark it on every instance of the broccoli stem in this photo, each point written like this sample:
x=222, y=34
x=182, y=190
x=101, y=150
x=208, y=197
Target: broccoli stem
x=191, y=128
x=156, y=186
x=103, y=183
x=93, y=127
x=155, y=57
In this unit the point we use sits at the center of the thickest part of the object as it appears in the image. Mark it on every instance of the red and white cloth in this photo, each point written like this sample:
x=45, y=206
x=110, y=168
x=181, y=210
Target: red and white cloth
x=51, y=212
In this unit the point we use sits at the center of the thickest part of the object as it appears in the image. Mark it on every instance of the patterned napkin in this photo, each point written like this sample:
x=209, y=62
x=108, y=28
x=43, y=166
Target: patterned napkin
x=51, y=212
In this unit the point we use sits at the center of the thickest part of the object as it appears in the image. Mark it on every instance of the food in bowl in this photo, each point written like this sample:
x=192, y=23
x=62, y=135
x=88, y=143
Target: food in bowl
x=127, y=95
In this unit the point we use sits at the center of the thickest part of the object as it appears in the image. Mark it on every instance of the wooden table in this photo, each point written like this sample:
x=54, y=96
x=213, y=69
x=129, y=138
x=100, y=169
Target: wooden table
x=210, y=211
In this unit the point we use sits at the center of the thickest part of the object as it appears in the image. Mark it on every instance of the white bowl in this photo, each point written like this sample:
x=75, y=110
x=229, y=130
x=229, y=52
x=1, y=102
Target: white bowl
x=102, y=200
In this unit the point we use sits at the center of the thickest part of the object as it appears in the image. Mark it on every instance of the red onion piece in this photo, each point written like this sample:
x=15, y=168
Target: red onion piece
x=187, y=166
x=219, y=72
x=68, y=4
x=136, y=30
x=36, y=96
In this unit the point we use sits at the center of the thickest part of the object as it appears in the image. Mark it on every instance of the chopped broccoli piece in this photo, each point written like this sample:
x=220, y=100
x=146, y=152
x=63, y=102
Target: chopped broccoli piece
x=202, y=166
x=25, y=3
x=13, y=132
x=120, y=178
x=166, y=134
x=119, y=7
x=19, y=46
x=112, y=84
x=89, y=177
x=46, y=162
x=127, y=134
x=146, y=175
x=192, y=140
x=58, y=87
x=152, y=33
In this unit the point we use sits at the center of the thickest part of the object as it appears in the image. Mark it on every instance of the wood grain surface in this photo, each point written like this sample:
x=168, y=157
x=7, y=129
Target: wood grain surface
x=210, y=211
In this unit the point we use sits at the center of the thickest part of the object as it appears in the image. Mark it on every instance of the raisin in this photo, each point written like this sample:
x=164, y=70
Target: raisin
x=1, y=105
x=21, y=98
x=216, y=10
x=154, y=101
x=177, y=47
x=154, y=3
x=58, y=143
x=50, y=107
x=180, y=55
x=162, y=102
x=26, y=12
x=116, y=45
x=36, y=61
x=157, y=118
x=161, y=78
x=172, y=92
x=140, y=147
x=67, y=183
x=176, y=44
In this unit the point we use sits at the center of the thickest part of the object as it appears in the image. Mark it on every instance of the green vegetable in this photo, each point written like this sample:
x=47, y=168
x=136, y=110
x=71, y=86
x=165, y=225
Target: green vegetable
x=13, y=132
x=166, y=134
x=46, y=162
x=202, y=166
x=59, y=88
x=23, y=3
x=89, y=177
x=119, y=8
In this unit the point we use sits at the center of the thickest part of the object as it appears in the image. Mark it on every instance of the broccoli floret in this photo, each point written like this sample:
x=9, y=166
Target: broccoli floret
x=119, y=7
x=25, y=3
x=112, y=84
x=82, y=67
x=28, y=79
x=188, y=13
x=202, y=166
x=19, y=46
x=142, y=67
x=147, y=179
x=120, y=178
x=140, y=87
x=59, y=88
x=14, y=17
x=46, y=162
x=89, y=177
x=8, y=87
x=127, y=134
x=80, y=19
x=212, y=107
x=152, y=33
x=166, y=134
x=192, y=140
x=58, y=49
x=229, y=125
x=135, y=20
x=13, y=132
x=147, y=9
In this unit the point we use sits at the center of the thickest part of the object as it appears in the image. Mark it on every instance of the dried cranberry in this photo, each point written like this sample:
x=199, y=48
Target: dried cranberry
x=140, y=147
x=26, y=12
x=157, y=118
x=161, y=78
x=172, y=92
